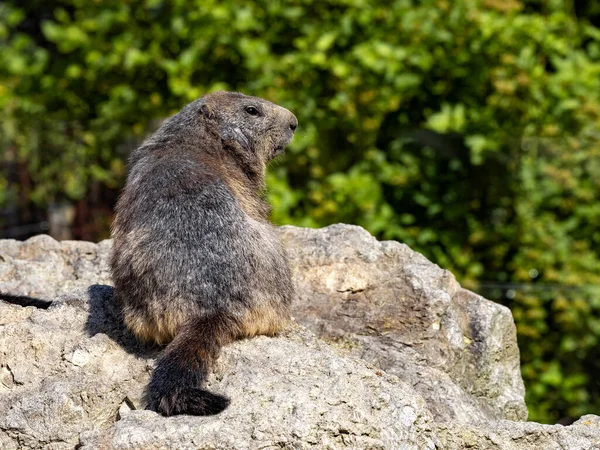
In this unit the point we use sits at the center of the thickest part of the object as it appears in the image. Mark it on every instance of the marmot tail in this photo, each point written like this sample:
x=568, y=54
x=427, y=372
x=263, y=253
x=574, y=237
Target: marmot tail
x=175, y=386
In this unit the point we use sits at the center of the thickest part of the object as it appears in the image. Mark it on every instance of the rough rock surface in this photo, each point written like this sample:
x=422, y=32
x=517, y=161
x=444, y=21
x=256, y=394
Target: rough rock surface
x=404, y=314
x=44, y=268
x=386, y=303
x=71, y=376
x=72, y=369
x=506, y=435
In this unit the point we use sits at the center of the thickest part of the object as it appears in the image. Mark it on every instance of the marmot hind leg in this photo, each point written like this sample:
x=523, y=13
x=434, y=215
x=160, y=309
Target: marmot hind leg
x=264, y=319
x=176, y=383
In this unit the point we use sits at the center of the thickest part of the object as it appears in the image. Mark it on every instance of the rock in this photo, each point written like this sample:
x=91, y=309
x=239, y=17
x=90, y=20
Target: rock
x=44, y=268
x=75, y=371
x=506, y=435
x=66, y=375
x=399, y=311
x=415, y=361
x=388, y=304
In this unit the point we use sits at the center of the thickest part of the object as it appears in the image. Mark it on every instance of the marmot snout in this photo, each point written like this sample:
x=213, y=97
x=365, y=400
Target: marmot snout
x=195, y=262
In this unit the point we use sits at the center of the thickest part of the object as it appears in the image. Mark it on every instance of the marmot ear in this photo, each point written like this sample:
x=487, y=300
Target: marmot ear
x=205, y=110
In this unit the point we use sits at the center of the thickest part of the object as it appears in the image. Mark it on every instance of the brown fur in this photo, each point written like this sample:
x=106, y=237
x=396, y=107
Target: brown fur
x=195, y=262
x=247, y=192
x=263, y=320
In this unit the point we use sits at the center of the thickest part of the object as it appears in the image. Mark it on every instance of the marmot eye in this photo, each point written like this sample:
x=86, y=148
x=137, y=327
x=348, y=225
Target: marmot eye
x=252, y=110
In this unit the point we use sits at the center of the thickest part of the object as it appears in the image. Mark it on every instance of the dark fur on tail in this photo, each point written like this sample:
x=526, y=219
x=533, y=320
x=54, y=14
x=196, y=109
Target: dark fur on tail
x=176, y=383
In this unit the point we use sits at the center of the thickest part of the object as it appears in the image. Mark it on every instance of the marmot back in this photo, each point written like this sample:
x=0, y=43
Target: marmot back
x=195, y=262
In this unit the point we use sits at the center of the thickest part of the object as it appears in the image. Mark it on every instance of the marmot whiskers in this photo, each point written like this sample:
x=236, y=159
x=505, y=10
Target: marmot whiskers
x=196, y=264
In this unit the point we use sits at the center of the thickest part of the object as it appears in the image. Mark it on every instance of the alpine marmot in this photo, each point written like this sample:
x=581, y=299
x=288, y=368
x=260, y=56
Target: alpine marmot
x=196, y=263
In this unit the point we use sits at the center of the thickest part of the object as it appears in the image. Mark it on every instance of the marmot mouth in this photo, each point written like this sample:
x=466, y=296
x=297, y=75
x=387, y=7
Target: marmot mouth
x=278, y=150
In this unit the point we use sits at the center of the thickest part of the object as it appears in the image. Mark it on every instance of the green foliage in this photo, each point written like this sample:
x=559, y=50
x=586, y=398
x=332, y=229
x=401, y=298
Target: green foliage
x=468, y=129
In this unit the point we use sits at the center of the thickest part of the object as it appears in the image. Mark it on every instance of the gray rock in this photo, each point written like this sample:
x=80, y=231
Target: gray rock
x=63, y=374
x=390, y=305
x=44, y=268
x=404, y=314
x=506, y=435
x=73, y=370
x=441, y=366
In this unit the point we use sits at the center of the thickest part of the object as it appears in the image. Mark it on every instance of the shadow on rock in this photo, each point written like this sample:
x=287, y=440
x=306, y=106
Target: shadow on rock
x=103, y=317
x=25, y=300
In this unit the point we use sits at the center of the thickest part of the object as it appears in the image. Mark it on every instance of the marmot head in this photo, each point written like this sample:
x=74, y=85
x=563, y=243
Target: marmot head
x=240, y=131
x=256, y=125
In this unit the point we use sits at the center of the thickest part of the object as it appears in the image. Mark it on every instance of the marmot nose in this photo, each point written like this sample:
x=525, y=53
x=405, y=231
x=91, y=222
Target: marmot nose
x=293, y=124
